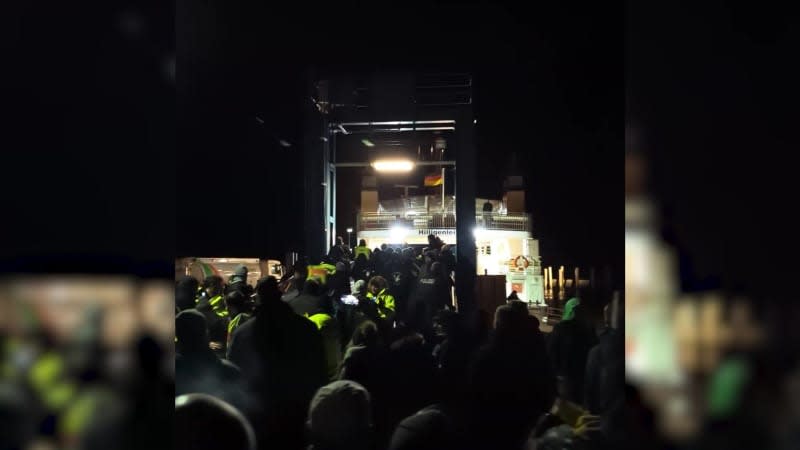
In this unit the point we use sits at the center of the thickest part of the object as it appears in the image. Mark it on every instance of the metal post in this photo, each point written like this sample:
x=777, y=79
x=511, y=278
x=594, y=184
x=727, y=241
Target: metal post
x=443, y=208
x=577, y=280
x=316, y=222
x=466, y=259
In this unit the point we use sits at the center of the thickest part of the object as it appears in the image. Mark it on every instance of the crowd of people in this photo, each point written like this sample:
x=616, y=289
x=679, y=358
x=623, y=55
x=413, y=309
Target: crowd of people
x=367, y=351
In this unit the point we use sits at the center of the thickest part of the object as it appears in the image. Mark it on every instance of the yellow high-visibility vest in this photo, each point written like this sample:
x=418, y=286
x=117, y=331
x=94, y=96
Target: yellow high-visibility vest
x=218, y=306
x=321, y=272
x=363, y=251
x=385, y=303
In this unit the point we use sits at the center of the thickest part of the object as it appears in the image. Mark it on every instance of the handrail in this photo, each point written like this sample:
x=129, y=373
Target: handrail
x=488, y=221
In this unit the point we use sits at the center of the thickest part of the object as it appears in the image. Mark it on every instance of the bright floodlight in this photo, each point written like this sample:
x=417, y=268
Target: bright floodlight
x=478, y=232
x=349, y=230
x=393, y=165
x=398, y=234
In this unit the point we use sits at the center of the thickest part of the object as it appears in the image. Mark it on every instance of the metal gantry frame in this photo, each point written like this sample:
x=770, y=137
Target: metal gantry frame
x=455, y=117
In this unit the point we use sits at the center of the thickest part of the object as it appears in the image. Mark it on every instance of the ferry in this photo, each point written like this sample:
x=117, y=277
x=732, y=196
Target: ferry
x=504, y=241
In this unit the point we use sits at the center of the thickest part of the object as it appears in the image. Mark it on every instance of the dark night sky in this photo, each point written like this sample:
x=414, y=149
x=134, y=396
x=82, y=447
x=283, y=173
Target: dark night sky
x=715, y=108
x=548, y=86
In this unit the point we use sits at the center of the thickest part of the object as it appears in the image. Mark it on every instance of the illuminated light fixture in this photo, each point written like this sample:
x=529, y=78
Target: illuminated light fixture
x=284, y=143
x=393, y=165
x=349, y=230
x=367, y=142
x=398, y=234
x=477, y=232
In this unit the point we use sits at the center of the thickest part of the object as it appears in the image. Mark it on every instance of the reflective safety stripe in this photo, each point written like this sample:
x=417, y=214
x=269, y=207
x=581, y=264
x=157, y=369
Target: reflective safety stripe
x=78, y=415
x=319, y=319
x=218, y=306
x=234, y=323
x=385, y=302
x=321, y=272
x=47, y=378
x=363, y=251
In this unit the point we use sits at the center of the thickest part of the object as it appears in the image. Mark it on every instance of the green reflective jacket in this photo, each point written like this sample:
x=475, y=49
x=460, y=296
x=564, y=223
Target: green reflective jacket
x=362, y=251
x=385, y=302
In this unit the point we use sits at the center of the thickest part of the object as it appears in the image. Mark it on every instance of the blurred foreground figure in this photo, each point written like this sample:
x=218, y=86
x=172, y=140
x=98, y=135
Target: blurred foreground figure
x=281, y=358
x=205, y=422
x=197, y=367
x=87, y=360
x=340, y=417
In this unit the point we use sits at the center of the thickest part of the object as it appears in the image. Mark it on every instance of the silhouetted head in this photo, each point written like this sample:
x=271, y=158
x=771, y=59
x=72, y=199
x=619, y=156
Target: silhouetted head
x=191, y=329
x=186, y=291
x=203, y=422
x=362, y=243
x=312, y=287
x=241, y=270
x=236, y=301
x=268, y=291
x=505, y=317
x=213, y=285
x=340, y=417
x=366, y=334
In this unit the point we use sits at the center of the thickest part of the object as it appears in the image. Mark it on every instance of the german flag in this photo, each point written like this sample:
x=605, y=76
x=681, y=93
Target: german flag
x=434, y=180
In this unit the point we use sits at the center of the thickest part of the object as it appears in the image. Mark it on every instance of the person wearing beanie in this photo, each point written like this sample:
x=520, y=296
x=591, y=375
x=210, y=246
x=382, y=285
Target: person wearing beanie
x=340, y=417
x=282, y=359
x=197, y=367
x=205, y=422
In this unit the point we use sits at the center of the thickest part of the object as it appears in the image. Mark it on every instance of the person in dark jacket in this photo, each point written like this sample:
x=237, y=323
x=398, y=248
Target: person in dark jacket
x=197, y=368
x=340, y=417
x=296, y=285
x=239, y=310
x=310, y=301
x=365, y=357
x=412, y=377
x=318, y=308
x=361, y=268
x=205, y=422
x=282, y=360
x=605, y=369
x=568, y=346
x=503, y=409
x=238, y=281
x=431, y=295
x=212, y=305
x=338, y=252
x=186, y=292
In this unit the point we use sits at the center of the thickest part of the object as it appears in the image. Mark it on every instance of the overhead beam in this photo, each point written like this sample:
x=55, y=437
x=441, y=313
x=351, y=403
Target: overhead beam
x=392, y=130
x=418, y=163
x=396, y=122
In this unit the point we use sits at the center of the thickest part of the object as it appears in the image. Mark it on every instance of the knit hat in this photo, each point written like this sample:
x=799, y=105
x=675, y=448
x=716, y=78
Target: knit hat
x=359, y=287
x=340, y=413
